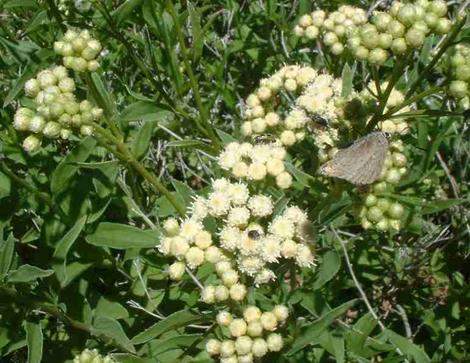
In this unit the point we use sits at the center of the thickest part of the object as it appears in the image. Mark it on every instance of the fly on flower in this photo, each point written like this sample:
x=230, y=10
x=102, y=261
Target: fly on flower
x=362, y=162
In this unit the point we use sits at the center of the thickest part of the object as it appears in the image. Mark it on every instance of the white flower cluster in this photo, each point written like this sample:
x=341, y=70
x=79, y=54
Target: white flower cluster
x=92, y=356
x=247, y=242
x=458, y=67
x=333, y=28
x=256, y=162
x=404, y=26
x=57, y=110
x=380, y=212
x=393, y=125
x=262, y=114
x=252, y=336
x=79, y=50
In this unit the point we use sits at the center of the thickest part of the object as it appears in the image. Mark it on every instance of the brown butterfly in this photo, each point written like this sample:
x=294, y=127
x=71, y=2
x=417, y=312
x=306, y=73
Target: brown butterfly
x=362, y=162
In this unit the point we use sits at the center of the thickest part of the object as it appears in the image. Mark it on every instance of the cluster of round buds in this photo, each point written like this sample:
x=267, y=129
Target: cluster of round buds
x=248, y=240
x=79, y=50
x=251, y=336
x=256, y=162
x=380, y=212
x=458, y=66
x=396, y=98
x=261, y=112
x=57, y=111
x=92, y=356
x=333, y=28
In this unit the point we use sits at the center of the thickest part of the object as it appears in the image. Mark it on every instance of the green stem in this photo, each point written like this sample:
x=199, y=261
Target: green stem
x=126, y=156
x=446, y=44
x=204, y=119
x=56, y=14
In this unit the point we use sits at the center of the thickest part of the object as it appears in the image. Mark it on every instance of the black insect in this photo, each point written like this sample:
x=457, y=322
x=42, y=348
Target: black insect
x=320, y=119
x=264, y=139
x=254, y=234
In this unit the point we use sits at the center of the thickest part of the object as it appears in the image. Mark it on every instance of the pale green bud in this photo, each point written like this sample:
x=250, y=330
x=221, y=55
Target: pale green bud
x=96, y=112
x=67, y=84
x=60, y=72
x=395, y=8
x=51, y=130
x=381, y=21
x=176, y=270
x=354, y=42
x=243, y=345
x=76, y=120
x=431, y=19
x=67, y=50
x=79, y=64
x=59, y=47
x=22, y=118
x=396, y=29
x=93, y=65
x=443, y=26
x=395, y=211
x=374, y=214
x=340, y=30
x=36, y=124
x=85, y=106
x=259, y=348
x=458, y=89
x=383, y=225
x=330, y=38
x=79, y=44
x=274, y=342
x=414, y=38
x=407, y=14
x=46, y=79
x=87, y=117
x=378, y=56
x=393, y=176
x=65, y=119
x=385, y=40
x=370, y=39
x=398, y=159
x=65, y=134
x=383, y=204
x=421, y=26
x=337, y=48
x=399, y=46
x=380, y=187
x=312, y=32
x=438, y=7
x=86, y=130
x=371, y=200
x=361, y=53
x=70, y=35
x=32, y=87
x=94, y=45
x=31, y=143
x=56, y=109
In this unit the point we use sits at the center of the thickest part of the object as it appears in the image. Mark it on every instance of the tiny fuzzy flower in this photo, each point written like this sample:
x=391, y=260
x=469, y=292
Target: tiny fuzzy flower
x=240, y=170
x=261, y=153
x=176, y=270
x=268, y=321
x=243, y=344
x=230, y=278
x=272, y=119
x=218, y=203
x=253, y=100
x=229, y=238
x=246, y=358
x=245, y=149
x=198, y=208
x=224, y=318
x=295, y=214
x=222, y=266
x=165, y=245
x=213, y=254
x=260, y=205
x=227, y=348
x=275, y=166
x=171, y=226
x=239, y=193
x=281, y=312
x=203, y=240
x=250, y=265
x=208, y=294
x=228, y=159
x=254, y=329
x=304, y=257
x=221, y=293
x=274, y=342
x=304, y=231
x=278, y=152
x=257, y=171
x=213, y=347
x=264, y=276
x=231, y=359
x=259, y=348
x=237, y=327
x=238, y=292
x=251, y=313
x=194, y=257
x=305, y=75
x=282, y=227
x=284, y=180
x=190, y=228
x=179, y=247
x=238, y=216
x=287, y=138
x=221, y=184
x=289, y=248
x=248, y=246
x=246, y=128
x=270, y=247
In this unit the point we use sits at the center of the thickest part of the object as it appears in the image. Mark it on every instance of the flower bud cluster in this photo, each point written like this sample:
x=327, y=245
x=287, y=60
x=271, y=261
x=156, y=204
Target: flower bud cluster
x=251, y=336
x=79, y=50
x=247, y=241
x=457, y=65
x=333, y=28
x=403, y=27
x=92, y=356
x=380, y=212
x=256, y=162
x=57, y=110
x=393, y=125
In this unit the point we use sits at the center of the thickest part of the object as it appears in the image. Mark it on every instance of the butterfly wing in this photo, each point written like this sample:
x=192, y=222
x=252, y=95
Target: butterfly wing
x=360, y=163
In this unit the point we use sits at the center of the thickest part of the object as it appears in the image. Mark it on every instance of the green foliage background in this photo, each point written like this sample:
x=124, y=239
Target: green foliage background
x=73, y=250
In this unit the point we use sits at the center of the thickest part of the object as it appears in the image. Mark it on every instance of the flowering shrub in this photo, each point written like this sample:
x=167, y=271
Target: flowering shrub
x=189, y=183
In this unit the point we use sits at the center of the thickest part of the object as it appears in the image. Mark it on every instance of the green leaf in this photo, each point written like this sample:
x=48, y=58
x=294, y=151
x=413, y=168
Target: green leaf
x=142, y=140
x=348, y=77
x=178, y=342
x=172, y=322
x=66, y=169
x=407, y=347
x=226, y=138
x=5, y=185
x=7, y=251
x=313, y=330
x=112, y=330
x=129, y=358
x=122, y=236
x=35, y=341
x=28, y=273
x=18, y=85
x=101, y=95
x=193, y=144
x=440, y=205
x=303, y=178
x=331, y=263
x=63, y=247
x=125, y=10
x=182, y=190
x=146, y=111
x=357, y=338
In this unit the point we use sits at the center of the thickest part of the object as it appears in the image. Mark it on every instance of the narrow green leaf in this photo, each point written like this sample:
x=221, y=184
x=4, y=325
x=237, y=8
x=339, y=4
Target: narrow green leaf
x=177, y=342
x=440, y=205
x=122, y=236
x=193, y=144
x=347, y=76
x=28, y=273
x=173, y=321
x=125, y=10
x=7, y=251
x=146, y=111
x=101, y=95
x=142, y=140
x=357, y=338
x=129, y=358
x=113, y=330
x=5, y=185
x=19, y=83
x=184, y=191
x=313, y=330
x=329, y=267
x=407, y=347
x=34, y=340
x=63, y=247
